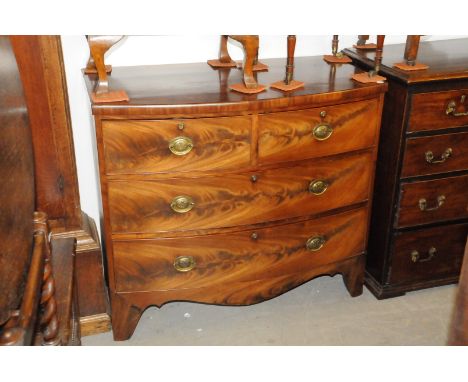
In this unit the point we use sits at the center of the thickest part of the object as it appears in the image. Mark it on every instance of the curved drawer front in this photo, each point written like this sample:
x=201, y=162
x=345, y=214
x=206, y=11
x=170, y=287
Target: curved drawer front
x=433, y=201
x=215, y=260
x=290, y=135
x=176, y=145
x=435, y=154
x=428, y=254
x=431, y=111
x=240, y=199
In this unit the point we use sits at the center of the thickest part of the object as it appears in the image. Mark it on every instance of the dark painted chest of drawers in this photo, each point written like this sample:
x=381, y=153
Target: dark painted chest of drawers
x=216, y=197
x=420, y=218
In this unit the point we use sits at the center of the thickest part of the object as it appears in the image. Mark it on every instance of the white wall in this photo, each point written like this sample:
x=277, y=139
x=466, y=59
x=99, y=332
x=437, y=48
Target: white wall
x=152, y=50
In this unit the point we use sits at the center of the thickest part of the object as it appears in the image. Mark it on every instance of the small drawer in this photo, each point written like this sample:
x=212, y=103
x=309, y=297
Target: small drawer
x=212, y=261
x=433, y=201
x=317, y=132
x=142, y=146
x=435, y=154
x=239, y=199
x=440, y=110
x=428, y=254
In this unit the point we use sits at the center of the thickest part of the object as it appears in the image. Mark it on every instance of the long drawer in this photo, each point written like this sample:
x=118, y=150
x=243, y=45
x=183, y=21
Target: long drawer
x=155, y=146
x=433, y=201
x=239, y=199
x=213, y=260
x=428, y=254
x=435, y=154
x=431, y=111
x=317, y=132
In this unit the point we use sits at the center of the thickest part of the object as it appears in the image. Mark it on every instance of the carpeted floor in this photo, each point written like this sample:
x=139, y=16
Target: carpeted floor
x=320, y=312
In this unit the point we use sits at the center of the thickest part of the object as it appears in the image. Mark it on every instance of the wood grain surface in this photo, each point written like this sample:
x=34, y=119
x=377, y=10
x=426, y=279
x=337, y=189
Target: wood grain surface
x=143, y=146
x=415, y=163
x=429, y=110
x=455, y=190
x=17, y=184
x=448, y=241
x=289, y=136
x=236, y=257
x=235, y=199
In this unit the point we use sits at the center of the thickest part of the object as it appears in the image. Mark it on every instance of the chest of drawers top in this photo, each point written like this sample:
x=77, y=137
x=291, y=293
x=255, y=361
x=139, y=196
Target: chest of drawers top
x=196, y=90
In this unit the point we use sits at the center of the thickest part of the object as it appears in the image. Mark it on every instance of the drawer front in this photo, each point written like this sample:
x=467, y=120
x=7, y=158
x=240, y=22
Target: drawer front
x=290, y=135
x=428, y=254
x=429, y=110
x=214, y=260
x=239, y=199
x=176, y=145
x=445, y=199
x=436, y=154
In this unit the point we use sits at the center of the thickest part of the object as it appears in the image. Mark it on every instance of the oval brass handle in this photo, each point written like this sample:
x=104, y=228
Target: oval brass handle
x=182, y=204
x=181, y=145
x=423, y=204
x=315, y=243
x=318, y=187
x=452, y=106
x=322, y=131
x=184, y=263
x=446, y=154
x=416, y=257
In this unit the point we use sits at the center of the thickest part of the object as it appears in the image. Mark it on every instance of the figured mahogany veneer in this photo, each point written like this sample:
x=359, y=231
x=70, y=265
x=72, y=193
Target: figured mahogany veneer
x=143, y=146
x=238, y=256
x=215, y=197
x=289, y=136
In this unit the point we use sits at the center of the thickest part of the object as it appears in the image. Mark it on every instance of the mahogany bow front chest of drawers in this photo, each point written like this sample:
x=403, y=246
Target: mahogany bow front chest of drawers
x=419, y=228
x=217, y=197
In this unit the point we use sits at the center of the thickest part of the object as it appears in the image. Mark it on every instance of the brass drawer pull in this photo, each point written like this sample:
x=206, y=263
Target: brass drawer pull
x=184, y=263
x=181, y=145
x=430, y=156
x=416, y=257
x=315, y=243
x=318, y=187
x=182, y=204
x=452, y=107
x=423, y=204
x=322, y=131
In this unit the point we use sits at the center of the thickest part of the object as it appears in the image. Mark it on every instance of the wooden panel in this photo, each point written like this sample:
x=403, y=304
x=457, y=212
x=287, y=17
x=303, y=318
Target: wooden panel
x=42, y=72
x=288, y=136
x=455, y=190
x=143, y=146
x=448, y=241
x=429, y=110
x=231, y=200
x=17, y=184
x=415, y=162
x=236, y=257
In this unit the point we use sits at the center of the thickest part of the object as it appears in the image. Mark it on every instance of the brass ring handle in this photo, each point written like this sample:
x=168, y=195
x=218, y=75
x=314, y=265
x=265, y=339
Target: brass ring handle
x=318, y=187
x=315, y=243
x=322, y=131
x=452, y=106
x=181, y=145
x=430, y=156
x=423, y=204
x=416, y=257
x=182, y=204
x=184, y=263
